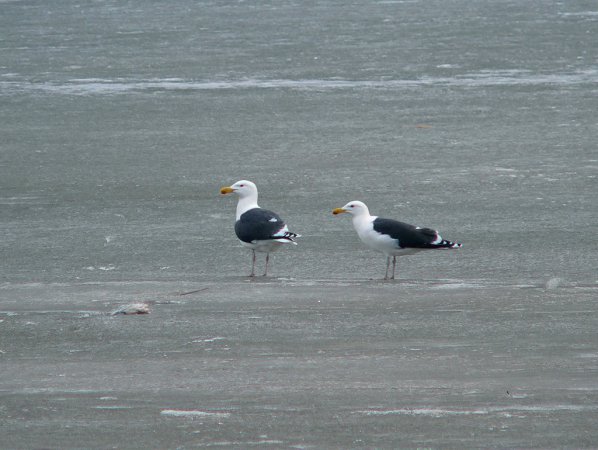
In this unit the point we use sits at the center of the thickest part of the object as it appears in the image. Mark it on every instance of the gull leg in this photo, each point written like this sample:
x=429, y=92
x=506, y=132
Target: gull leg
x=387, y=266
x=267, y=260
x=394, y=265
x=252, y=274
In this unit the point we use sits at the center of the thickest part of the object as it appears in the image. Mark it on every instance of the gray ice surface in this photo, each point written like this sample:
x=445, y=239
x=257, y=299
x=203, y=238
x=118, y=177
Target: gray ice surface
x=290, y=364
x=120, y=121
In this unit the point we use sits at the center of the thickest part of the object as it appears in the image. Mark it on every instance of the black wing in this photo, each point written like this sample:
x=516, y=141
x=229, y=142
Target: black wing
x=407, y=236
x=259, y=224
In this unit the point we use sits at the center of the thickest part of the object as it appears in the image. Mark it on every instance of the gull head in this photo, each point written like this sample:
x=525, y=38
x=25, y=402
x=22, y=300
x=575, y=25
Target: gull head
x=242, y=188
x=355, y=208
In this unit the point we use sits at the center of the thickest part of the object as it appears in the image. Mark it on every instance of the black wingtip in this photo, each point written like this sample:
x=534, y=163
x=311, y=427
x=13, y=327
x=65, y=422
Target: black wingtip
x=448, y=244
x=291, y=236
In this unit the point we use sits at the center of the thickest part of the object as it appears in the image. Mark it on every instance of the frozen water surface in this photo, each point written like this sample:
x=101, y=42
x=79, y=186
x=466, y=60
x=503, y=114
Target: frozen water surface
x=324, y=364
x=121, y=121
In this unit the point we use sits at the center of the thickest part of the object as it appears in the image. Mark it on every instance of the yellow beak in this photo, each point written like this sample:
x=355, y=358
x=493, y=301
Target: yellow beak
x=226, y=190
x=336, y=211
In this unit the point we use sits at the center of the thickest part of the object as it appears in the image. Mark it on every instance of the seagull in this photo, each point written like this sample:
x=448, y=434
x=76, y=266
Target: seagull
x=258, y=229
x=391, y=237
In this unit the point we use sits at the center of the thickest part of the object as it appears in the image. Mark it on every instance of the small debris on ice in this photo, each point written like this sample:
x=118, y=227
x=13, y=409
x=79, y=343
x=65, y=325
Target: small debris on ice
x=133, y=308
x=554, y=283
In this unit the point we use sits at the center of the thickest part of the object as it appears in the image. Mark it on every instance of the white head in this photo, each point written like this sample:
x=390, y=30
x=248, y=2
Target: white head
x=247, y=192
x=355, y=208
x=242, y=188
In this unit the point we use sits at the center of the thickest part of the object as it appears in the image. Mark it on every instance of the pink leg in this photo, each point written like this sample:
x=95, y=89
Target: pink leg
x=252, y=274
x=267, y=260
x=387, y=266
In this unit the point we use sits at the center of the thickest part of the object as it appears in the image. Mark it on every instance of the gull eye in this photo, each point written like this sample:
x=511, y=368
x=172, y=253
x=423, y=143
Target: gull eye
x=351, y=206
x=241, y=185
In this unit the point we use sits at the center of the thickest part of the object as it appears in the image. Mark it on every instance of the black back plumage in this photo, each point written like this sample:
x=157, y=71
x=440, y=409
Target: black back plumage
x=258, y=224
x=410, y=236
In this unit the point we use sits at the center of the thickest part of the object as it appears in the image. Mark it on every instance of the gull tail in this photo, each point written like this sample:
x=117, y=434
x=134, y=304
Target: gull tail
x=443, y=243
x=438, y=242
x=288, y=237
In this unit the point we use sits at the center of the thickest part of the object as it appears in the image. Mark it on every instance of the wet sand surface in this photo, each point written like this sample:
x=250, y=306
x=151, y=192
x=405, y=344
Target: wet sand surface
x=282, y=363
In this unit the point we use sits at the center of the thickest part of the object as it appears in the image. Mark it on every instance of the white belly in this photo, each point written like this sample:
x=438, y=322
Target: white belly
x=384, y=243
x=266, y=246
